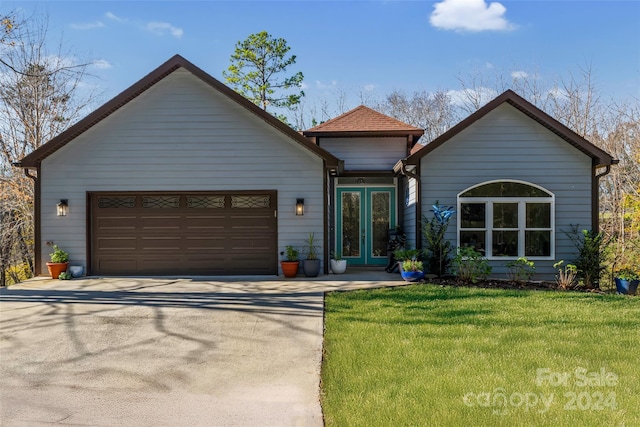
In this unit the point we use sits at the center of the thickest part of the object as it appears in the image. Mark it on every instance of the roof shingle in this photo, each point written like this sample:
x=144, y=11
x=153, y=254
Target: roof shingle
x=363, y=119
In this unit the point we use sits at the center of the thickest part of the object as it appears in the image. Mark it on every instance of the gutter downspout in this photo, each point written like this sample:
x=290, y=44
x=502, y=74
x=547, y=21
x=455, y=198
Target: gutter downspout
x=595, y=216
x=36, y=215
x=404, y=171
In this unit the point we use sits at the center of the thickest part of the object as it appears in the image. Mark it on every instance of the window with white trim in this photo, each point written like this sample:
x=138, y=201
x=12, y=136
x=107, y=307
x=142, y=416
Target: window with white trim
x=507, y=219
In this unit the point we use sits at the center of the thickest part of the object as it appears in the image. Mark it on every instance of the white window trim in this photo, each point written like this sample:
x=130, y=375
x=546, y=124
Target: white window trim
x=522, y=205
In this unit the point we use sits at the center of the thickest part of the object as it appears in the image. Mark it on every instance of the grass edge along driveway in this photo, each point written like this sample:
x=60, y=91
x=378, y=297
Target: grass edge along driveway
x=432, y=355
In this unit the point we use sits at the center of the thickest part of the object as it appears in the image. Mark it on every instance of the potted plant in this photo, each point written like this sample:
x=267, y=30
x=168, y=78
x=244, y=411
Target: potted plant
x=59, y=262
x=627, y=281
x=402, y=255
x=311, y=265
x=290, y=263
x=412, y=270
x=338, y=264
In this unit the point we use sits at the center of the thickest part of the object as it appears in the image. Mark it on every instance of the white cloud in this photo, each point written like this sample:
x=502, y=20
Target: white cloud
x=558, y=93
x=330, y=85
x=161, y=28
x=87, y=25
x=519, y=75
x=113, y=17
x=466, y=97
x=470, y=15
x=102, y=64
x=369, y=87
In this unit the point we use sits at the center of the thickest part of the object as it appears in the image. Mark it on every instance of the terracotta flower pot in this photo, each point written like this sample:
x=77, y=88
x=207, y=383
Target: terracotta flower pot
x=290, y=268
x=55, y=268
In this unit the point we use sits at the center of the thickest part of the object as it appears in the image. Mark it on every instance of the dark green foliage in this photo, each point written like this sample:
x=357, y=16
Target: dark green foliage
x=256, y=69
x=591, y=246
x=437, y=249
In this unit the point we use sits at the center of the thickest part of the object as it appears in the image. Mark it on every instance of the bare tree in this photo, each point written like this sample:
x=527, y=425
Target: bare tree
x=40, y=96
x=433, y=112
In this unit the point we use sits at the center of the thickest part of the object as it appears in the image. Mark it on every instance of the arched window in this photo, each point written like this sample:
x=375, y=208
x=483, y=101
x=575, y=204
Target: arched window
x=507, y=219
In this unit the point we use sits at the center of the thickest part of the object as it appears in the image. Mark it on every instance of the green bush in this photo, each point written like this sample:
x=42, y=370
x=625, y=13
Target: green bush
x=470, y=266
x=58, y=255
x=520, y=270
x=412, y=265
x=438, y=249
x=591, y=249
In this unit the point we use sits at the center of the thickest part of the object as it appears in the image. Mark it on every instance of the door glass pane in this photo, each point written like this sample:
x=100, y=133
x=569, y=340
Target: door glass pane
x=351, y=224
x=473, y=215
x=538, y=215
x=505, y=243
x=380, y=217
x=473, y=239
x=537, y=243
x=505, y=215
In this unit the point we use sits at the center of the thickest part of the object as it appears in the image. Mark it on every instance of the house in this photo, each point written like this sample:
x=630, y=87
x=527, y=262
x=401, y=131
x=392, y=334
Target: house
x=180, y=175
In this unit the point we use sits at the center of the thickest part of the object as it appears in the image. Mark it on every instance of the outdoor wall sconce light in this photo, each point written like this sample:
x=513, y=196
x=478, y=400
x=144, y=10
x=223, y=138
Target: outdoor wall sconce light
x=299, y=206
x=62, y=206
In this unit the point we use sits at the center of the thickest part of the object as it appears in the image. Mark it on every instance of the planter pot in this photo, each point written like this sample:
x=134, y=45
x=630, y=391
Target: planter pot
x=626, y=287
x=311, y=267
x=289, y=268
x=338, y=266
x=76, y=270
x=55, y=268
x=412, y=276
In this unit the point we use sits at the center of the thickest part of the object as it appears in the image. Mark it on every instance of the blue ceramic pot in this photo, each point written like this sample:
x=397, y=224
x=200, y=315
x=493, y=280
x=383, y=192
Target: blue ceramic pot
x=626, y=287
x=412, y=276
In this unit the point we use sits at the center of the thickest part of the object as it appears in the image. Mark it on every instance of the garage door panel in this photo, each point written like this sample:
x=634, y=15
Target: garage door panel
x=184, y=233
x=205, y=243
x=117, y=243
x=160, y=243
x=117, y=223
x=117, y=266
x=206, y=222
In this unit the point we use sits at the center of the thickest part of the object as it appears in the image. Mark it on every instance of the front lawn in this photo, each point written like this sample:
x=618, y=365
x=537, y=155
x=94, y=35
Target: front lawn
x=448, y=356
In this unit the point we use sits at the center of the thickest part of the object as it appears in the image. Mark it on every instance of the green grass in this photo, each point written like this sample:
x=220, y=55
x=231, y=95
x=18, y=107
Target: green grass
x=408, y=357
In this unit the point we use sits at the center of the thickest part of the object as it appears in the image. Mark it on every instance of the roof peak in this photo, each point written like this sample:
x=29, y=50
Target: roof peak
x=363, y=119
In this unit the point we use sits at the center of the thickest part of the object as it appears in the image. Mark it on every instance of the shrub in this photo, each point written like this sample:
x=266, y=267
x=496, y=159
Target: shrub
x=566, y=276
x=470, y=265
x=438, y=250
x=591, y=246
x=58, y=255
x=520, y=269
x=290, y=253
x=412, y=265
x=406, y=254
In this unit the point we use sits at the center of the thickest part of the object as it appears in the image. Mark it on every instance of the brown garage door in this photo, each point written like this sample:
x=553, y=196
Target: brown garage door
x=220, y=233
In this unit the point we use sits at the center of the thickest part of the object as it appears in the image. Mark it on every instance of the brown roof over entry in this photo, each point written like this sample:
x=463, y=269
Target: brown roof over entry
x=363, y=121
x=35, y=158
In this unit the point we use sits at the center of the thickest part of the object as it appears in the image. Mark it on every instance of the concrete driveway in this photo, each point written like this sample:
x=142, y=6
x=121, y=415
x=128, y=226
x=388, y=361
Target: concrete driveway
x=172, y=352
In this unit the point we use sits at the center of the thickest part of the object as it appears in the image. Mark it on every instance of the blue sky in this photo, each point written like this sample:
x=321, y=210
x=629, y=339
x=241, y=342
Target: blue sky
x=360, y=47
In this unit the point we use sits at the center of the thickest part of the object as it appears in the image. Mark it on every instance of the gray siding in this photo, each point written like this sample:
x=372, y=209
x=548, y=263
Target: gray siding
x=506, y=144
x=180, y=135
x=409, y=220
x=366, y=153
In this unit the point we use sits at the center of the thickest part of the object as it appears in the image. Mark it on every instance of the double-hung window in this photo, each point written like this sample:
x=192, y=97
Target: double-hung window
x=507, y=219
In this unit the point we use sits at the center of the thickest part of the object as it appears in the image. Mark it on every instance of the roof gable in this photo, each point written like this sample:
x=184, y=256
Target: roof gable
x=601, y=157
x=38, y=155
x=364, y=121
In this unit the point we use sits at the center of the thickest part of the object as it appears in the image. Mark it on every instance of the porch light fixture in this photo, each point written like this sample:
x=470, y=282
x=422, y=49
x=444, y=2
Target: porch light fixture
x=62, y=206
x=299, y=206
